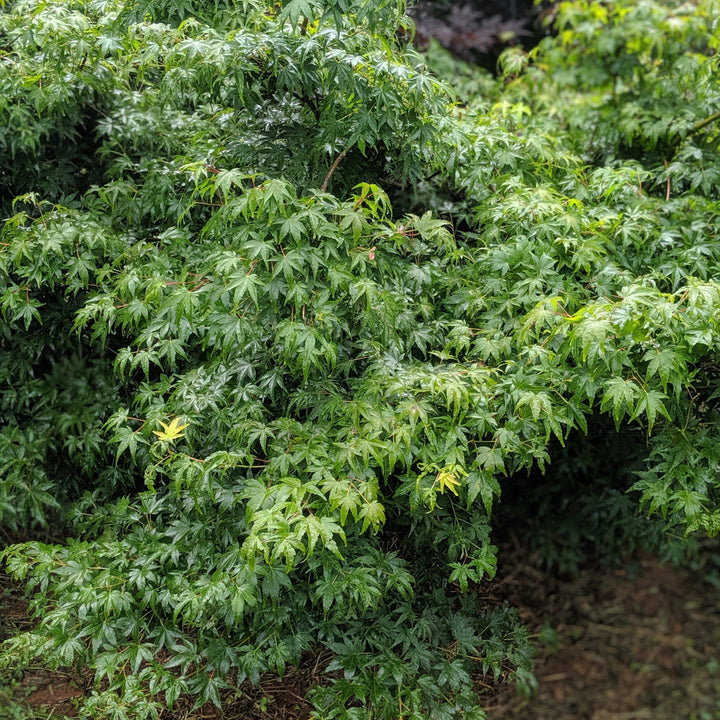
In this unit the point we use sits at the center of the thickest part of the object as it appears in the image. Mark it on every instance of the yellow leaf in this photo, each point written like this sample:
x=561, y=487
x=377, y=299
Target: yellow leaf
x=447, y=479
x=173, y=431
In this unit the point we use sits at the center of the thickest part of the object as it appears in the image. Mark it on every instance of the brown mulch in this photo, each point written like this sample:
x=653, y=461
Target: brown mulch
x=639, y=643
x=630, y=643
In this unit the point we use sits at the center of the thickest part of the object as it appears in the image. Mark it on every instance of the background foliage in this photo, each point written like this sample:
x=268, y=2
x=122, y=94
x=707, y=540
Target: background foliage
x=281, y=316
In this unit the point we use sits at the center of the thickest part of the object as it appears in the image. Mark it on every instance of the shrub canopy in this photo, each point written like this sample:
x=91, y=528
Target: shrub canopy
x=280, y=314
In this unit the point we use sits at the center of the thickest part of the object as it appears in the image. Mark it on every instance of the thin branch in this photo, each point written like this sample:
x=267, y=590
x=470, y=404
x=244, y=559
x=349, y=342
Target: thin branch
x=338, y=159
x=700, y=125
x=697, y=127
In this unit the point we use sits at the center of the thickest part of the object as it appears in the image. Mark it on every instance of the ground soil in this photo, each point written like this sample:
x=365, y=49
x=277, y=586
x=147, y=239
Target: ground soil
x=635, y=642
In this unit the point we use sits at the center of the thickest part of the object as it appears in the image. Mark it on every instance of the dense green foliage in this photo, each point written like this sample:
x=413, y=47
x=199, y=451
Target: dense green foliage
x=279, y=318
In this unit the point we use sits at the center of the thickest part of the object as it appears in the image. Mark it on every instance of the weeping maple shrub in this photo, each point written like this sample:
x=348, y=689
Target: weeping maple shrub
x=273, y=409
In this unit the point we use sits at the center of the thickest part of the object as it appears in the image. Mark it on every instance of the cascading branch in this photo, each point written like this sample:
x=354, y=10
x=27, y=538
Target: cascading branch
x=278, y=321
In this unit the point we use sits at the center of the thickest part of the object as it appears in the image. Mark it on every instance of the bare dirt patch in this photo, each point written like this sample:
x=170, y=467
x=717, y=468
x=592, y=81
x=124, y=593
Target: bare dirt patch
x=640, y=642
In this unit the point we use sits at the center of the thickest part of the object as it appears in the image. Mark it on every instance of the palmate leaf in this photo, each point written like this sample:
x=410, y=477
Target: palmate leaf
x=295, y=10
x=372, y=513
x=171, y=431
x=667, y=363
x=620, y=394
x=651, y=404
x=539, y=403
x=448, y=478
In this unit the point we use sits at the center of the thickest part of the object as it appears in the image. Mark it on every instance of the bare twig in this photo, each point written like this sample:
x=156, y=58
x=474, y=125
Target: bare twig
x=338, y=159
x=700, y=125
